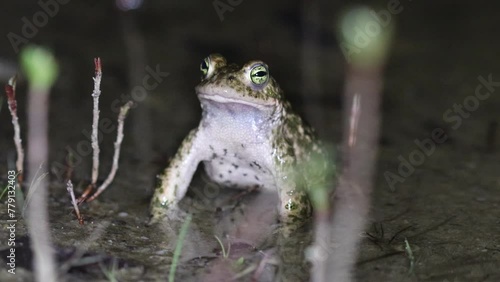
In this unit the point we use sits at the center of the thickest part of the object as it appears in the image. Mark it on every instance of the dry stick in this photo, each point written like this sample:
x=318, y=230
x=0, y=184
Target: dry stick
x=95, y=121
x=69, y=187
x=10, y=90
x=119, y=138
x=94, y=136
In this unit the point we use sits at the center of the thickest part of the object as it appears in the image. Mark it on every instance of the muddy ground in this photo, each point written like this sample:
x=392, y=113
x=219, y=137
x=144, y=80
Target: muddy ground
x=447, y=206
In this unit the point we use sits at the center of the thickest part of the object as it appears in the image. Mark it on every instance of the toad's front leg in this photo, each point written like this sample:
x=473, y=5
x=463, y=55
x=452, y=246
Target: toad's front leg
x=295, y=207
x=174, y=181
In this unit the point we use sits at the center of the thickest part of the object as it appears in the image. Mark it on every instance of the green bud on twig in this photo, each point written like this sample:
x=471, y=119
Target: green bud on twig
x=40, y=66
x=364, y=40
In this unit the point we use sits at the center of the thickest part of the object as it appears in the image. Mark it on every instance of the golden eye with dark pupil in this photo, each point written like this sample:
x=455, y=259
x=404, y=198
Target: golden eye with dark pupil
x=259, y=74
x=204, y=66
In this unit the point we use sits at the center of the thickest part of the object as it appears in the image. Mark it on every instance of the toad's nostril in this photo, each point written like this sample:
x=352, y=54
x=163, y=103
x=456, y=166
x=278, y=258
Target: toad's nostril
x=231, y=78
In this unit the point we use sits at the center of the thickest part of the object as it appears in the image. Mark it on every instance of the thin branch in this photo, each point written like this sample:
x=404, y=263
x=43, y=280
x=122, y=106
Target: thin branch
x=10, y=90
x=95, y=121
x=83, y=198
x=69, y=187
x=119, y=138
x=94, y=136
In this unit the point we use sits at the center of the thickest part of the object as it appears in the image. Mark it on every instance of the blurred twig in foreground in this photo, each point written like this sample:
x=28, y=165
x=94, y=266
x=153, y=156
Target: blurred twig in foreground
x=41, y=71
x=362, y=95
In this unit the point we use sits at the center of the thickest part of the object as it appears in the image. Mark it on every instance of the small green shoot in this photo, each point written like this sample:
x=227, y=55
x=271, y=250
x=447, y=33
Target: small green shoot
x=3, y=191
x=40, y=67
x=409, y=253
x=372, y=50
x=178, y=249
x=240, y=261
x=245, y=272
x=224, y=253
x=20, y=199
x=110, y=273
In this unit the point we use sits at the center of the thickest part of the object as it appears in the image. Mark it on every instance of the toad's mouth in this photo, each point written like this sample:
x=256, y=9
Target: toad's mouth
x=254, y=103
x=236, y=114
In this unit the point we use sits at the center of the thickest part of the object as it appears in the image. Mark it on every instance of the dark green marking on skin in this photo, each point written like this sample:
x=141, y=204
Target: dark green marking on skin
x=291, y=206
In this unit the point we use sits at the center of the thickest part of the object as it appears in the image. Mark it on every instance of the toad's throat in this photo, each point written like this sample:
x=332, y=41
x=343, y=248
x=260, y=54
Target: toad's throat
x=235, y=115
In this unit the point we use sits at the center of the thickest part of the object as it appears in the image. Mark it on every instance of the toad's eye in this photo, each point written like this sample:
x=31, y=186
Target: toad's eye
x=204, y=66
x=259, y=74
